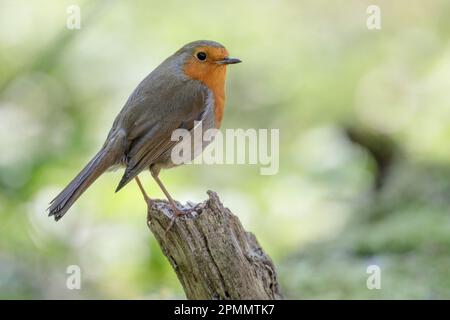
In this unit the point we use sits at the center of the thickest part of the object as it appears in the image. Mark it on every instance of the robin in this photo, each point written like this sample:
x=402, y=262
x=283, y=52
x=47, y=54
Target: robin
x=187, y=88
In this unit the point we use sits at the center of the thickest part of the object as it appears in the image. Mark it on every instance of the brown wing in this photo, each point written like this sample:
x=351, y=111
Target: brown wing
x=150, y=138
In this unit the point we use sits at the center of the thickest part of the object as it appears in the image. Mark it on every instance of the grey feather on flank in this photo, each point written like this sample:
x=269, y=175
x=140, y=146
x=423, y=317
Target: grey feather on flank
x=150, y=144
x=108, y=156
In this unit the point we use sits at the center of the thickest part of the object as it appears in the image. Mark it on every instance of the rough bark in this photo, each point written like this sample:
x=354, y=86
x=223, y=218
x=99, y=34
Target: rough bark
x=212, y=255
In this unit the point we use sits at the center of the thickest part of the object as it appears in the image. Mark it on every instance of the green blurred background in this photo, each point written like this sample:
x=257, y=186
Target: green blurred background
x=364, y=119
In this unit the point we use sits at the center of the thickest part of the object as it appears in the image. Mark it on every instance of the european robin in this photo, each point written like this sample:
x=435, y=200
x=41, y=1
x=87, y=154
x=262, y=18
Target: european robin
x=187, y=87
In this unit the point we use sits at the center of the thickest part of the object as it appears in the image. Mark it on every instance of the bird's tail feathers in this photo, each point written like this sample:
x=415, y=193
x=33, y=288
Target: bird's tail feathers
x=65, y=199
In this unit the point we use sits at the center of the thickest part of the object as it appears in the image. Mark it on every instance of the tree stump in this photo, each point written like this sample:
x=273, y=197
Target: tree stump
x=212, y=255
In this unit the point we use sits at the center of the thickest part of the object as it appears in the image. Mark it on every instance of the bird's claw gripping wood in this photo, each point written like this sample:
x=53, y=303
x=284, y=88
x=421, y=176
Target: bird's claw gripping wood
x=177, y=212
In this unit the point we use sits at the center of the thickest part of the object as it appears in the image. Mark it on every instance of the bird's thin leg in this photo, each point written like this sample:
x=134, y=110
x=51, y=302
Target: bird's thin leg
x=169, y=197
x=147, y=199
x=177, y=211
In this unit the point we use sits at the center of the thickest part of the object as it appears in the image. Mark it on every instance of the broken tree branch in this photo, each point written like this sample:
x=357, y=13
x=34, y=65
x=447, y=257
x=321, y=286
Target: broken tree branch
x=212, y=255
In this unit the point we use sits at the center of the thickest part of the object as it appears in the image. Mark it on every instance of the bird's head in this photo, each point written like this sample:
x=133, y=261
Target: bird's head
x=205, y=60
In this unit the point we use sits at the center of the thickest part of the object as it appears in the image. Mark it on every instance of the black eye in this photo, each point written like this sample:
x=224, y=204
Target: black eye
x=201, y=56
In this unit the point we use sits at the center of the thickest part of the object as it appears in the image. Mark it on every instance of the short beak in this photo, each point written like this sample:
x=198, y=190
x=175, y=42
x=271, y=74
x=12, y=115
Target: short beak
x=228, y=60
